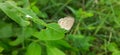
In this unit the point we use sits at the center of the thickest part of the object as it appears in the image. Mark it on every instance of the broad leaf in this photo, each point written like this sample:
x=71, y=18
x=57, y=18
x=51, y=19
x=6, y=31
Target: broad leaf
x=5, y=30
x=1, y=49
x=50, y=33
x=54, y=51
x=33, y=49
x=26, y=32
x=12, y=11
x=60, y=44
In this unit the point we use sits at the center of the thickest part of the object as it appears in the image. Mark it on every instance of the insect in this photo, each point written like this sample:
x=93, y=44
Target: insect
x=66, y=22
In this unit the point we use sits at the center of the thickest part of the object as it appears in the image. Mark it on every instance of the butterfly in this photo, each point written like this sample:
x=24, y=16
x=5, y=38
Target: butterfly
x=66, y=22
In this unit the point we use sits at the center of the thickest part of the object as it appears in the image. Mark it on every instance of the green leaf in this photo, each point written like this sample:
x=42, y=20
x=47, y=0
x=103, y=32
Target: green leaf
x=60, y=44
x=56, y=27
x=116, y=52
x=5, y=30
x=33, y=49
x=18, y=14
x=83, y=14
x=1, y=49
x=50, y=34
x=12, y=11
x=15, y=52
x=38, y=12
x=112, y=47
x=54, y=51
x=26, y=33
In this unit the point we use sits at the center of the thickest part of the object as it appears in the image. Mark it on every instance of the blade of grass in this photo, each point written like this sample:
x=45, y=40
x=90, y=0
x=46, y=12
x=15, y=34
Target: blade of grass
x=113, y=13
x=102, y=23
x=61, y=8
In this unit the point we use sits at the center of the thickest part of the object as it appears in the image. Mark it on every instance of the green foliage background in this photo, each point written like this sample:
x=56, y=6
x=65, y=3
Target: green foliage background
x=96, y=30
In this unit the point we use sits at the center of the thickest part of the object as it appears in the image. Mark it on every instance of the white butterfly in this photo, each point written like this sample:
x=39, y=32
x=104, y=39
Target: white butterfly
x=66, y=22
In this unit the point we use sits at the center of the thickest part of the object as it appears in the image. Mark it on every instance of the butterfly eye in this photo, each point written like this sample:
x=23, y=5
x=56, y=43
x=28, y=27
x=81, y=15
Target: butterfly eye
x=62, y=22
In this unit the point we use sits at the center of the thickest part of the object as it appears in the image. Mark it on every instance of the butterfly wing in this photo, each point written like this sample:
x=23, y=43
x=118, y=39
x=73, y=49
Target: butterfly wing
x=66, y=22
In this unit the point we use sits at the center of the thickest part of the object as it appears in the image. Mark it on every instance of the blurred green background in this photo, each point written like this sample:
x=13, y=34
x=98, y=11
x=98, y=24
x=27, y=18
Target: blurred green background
x=29, y=27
